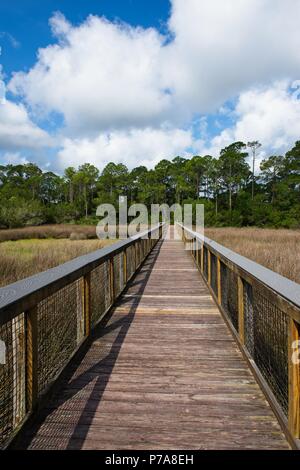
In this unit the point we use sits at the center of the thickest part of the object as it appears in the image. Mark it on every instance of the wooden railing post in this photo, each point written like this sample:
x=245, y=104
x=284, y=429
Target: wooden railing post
x=137, y=244
x=18, y=345
x=140, y=251
x=198, y=254
x=125, y=266
x=111, y=281
x=87, y=304
x=209, y=267
x=202, y=258
x=31, y=358
x=241, y=310
x=219, y=281
x=136, y=254
x=294, y=379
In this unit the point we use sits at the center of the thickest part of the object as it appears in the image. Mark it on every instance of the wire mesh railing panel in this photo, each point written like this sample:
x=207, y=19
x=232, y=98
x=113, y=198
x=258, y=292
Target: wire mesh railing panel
x=139, y=252
x=58, y=317
x=214, y=273
x=130, y=260
x=270, y=344
x=155, y=236
x=224, y=285
x=205, y=262
x=36, y=345
x=12, y=376
x=263, y=308
x=248, y=317
x=118, y=273
x=192, y=247
x=229, y=294
x=147, y=246
x=143, y=243
x=136, y=255
x=100, y=292
x=198, y=255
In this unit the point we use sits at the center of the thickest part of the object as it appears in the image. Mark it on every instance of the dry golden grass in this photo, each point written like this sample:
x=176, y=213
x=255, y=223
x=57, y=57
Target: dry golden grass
x=48, y=231
x=278, y=250
x=23, y=258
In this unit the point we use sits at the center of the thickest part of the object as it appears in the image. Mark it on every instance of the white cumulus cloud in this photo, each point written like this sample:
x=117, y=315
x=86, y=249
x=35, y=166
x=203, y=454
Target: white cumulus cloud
x=119, y=87
x=221, y=48
x=103, y=75
x=270, y=114
x=99, y=75
x=135, y=147
x=17, y=131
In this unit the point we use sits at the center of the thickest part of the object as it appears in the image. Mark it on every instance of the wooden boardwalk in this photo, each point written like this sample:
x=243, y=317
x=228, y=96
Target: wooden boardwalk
x=162, y=373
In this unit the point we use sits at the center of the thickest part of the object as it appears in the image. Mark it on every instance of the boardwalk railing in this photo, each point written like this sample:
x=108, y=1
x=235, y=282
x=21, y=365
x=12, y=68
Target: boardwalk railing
x=262, y=309
x=45, y=319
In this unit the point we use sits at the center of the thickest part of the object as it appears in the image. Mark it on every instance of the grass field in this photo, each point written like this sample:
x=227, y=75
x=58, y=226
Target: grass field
x=48, y=231
x=29, y=250
x=36, y=249
x=22, y=258
x=278, y=250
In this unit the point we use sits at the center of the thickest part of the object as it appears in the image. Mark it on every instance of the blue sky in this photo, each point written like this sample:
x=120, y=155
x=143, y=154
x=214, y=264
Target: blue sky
x=27, y=22
x=136, y=81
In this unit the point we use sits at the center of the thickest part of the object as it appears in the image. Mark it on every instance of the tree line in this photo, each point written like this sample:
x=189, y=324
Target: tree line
x=233, y=193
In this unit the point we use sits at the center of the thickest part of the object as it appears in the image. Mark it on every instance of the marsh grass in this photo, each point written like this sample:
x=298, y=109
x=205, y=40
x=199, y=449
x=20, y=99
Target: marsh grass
x=48, y=231
x=34, y=249
x=23, y=258
x=278, y=250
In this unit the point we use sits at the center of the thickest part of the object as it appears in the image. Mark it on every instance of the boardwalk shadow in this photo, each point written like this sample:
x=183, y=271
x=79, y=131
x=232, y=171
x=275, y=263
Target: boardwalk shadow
x=88, y=376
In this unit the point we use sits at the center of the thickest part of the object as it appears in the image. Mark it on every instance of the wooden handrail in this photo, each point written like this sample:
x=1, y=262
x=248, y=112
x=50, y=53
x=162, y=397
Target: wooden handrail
x=277, y=292
x=27, y=305
x=25, y=294
x=283, y=286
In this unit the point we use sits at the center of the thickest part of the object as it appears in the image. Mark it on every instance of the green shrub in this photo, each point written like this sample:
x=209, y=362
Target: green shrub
x=17, y=212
